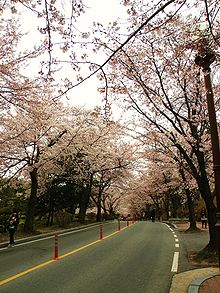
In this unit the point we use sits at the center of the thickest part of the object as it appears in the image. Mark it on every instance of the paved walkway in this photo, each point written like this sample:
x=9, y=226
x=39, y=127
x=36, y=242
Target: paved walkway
x=205, y=280
x=189, y=281
x=212, y=285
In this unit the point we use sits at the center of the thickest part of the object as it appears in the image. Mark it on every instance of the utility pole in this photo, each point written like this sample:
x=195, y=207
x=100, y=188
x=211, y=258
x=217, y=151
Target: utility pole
x=204, y=59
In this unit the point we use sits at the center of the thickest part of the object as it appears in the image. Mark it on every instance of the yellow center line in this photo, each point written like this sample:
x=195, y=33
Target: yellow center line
x=26, y=272
x=52, y=260
x=80, y=248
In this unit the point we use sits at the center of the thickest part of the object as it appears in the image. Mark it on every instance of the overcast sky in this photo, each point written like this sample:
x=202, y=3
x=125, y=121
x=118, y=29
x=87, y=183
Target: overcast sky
x=102, y=11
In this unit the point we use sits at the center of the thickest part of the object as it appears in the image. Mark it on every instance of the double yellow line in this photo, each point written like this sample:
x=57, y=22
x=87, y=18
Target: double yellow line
x=52, y=260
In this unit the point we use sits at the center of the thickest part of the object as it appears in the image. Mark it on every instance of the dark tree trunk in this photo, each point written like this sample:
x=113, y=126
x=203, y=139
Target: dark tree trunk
x=205, y=191
x=111, y=212
x=206, y=194
x=52, y=217
x=48, y=219
x=51, y=210
x=211, y=214
x=98, y=202
x=99, y=210
x=190, y=202
x=104, y=208
x=29, y=223
x=84, y=201
x=166, y=204
x=73, y=207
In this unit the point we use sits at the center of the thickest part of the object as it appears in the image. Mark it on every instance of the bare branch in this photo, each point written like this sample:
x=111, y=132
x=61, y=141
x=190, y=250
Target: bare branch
x=120, y=47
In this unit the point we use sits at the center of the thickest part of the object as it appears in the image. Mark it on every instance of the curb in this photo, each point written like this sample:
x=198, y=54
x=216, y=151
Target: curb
x=39, y=236
x=170, y=224
x=194, y=286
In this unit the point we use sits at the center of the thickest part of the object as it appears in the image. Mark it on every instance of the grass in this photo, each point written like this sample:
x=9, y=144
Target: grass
x=206, y=256
x=203, y=258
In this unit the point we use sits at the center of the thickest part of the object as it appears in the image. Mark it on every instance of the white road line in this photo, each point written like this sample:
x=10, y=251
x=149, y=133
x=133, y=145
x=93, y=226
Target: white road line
x=169, y=228
x=175, y=262
x=49, y=237
x=174, y=268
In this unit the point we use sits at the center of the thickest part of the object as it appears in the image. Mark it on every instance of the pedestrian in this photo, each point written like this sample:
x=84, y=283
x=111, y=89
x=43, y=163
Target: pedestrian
x=12, y=227
x=204, y=218
x=153, y=214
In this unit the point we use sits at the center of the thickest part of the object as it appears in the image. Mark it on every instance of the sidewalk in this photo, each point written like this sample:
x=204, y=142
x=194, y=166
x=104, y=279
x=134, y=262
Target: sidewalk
x=196, y=280
x=203, y=280
x=48, y=234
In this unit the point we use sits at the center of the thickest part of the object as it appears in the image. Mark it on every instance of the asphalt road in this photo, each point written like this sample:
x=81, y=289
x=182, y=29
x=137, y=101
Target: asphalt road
x=138, y=259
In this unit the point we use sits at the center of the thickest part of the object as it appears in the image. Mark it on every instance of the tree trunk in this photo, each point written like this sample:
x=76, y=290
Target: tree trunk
x=166, y=204
x=111, y=212
x=29, y=223
x=84, y=201
x=191, y=208
x=52, y=217
x=206, y=194
x=48, y=219
x=99, y=202
x=73, y=207
x=50, y=214
x=211, y=214
x=99, y=210
x=104, y=208
x=205, y=191
x=190, y=202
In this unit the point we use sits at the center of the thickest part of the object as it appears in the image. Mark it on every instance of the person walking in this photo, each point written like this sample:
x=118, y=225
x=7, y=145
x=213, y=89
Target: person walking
x=204, y=218
x=12, y=227
x=153, y=214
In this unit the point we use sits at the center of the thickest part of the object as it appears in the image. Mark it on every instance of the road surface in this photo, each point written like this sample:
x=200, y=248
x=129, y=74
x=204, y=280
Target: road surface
x=141, y=258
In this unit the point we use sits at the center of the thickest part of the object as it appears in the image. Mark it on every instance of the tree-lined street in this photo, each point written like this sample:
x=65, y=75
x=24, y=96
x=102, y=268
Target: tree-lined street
x=147, y=150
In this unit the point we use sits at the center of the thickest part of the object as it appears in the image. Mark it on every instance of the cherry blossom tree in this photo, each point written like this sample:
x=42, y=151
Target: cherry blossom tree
x=152, y=70
x=114, y=168
x=57, y=25
x=111, y=201
x=97, y=156
x=15, y=87
x=53, y=26
x=174, y=173
x=158, y=78
x=28, y=135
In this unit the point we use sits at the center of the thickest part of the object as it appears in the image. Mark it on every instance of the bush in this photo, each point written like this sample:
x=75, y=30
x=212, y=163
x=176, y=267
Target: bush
x=63, y=218
x=91, y=216
x=2, y=228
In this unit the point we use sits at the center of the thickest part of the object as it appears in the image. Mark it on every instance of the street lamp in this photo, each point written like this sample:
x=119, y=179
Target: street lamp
x=204, y=59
